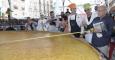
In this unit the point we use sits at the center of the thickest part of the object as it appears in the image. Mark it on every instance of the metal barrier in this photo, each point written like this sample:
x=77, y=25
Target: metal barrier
x=4, y=23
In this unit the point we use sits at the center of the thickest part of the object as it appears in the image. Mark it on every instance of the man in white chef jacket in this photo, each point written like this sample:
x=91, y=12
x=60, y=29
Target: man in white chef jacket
x=76, y=22
x=88, y=35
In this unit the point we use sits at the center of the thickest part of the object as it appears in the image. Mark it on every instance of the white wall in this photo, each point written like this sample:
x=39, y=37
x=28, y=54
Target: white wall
x=18, y=13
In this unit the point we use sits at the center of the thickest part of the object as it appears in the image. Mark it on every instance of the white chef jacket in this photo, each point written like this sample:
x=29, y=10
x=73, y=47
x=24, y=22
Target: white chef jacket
x=80, y=20
x=88, y=36
x=42, y=25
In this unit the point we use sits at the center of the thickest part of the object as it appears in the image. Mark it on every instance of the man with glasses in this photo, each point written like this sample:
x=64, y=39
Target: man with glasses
x=102, y=29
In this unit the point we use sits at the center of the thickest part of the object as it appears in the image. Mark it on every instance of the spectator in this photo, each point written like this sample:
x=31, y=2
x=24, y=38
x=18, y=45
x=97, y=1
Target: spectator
x=112, y=43
x=67, y=12
x=52, y=27
x=30, y=25
x=63, y=23
x=62, y=14
x=9, y=13
x=52, y=18
x=11, y=28
x=42, y=26
x=102, y=26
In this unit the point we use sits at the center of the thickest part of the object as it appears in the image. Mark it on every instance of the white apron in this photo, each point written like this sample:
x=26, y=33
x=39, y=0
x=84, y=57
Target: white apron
x=88, y=36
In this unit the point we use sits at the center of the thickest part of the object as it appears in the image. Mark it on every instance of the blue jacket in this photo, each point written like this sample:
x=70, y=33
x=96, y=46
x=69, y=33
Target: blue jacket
x=104, y=40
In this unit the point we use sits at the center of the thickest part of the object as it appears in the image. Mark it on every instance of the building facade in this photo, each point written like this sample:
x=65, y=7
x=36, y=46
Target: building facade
x=27, y=8
x=38, y=7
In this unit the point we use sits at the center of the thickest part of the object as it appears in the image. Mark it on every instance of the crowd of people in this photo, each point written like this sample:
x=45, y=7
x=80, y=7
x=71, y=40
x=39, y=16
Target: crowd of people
x=97, y=28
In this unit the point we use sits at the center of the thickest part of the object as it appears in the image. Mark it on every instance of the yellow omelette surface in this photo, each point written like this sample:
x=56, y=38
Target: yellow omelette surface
x=52, y=48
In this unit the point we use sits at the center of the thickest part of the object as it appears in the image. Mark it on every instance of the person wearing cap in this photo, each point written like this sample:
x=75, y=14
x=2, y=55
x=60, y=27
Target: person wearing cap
x=75, y=21
x=87, y=9
x=90, y=17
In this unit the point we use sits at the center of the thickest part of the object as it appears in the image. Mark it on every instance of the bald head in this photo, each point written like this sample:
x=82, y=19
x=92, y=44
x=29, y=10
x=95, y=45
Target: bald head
x=102, y=11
